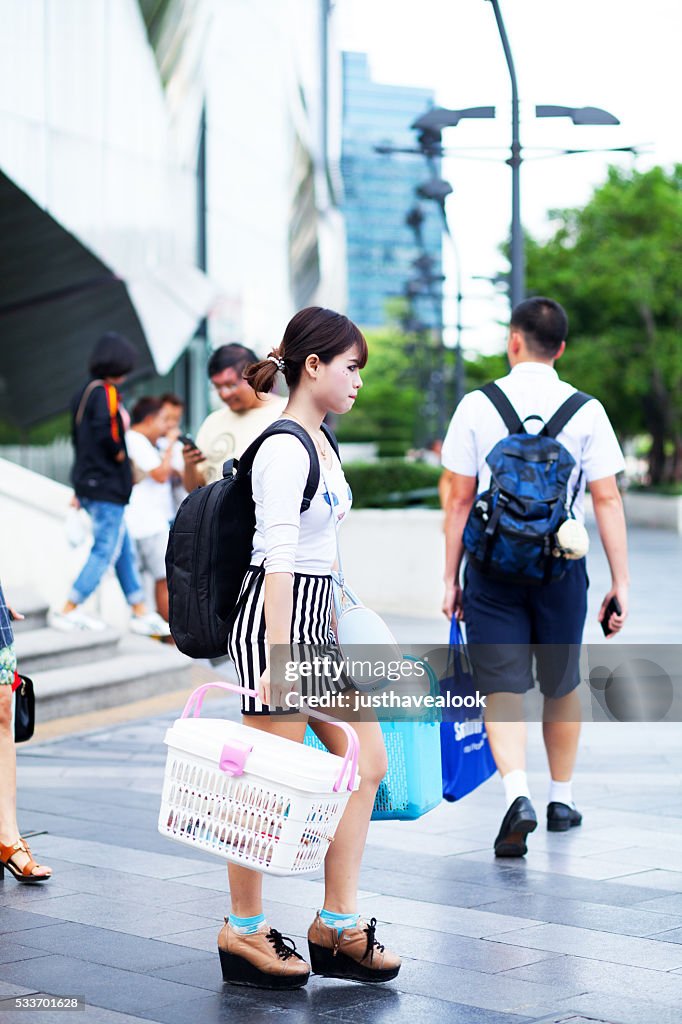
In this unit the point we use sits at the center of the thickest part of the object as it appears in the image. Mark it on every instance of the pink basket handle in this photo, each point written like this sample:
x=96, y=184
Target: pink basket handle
x=196, y=700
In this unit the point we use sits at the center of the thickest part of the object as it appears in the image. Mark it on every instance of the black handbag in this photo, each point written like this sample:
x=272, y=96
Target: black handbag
x=24, y=708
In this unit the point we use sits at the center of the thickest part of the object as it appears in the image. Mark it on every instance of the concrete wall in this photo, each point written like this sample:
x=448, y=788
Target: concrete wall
x=392, y=558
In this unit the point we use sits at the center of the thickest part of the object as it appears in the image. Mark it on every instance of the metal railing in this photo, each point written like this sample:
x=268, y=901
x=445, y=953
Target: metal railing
x=51, y=460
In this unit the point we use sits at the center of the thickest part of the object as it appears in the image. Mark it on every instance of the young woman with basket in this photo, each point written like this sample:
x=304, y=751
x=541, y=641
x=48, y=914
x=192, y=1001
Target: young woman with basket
x=287, y=599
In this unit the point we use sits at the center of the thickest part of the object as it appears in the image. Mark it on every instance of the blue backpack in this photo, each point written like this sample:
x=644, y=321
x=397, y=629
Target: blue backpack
x=511, y=529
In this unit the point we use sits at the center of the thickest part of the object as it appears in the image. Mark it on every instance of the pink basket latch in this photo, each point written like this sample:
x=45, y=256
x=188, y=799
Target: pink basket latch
x=233, y=757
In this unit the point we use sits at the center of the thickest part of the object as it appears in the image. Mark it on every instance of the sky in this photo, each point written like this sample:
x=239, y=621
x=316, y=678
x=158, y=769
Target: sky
x=622, y=55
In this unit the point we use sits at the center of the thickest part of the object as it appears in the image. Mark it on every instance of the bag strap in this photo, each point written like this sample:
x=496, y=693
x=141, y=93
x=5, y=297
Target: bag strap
x=284, y=426
x=455, y=632
x=556, y=423
x=509, y=415
x=112, y=404
x=89, y=388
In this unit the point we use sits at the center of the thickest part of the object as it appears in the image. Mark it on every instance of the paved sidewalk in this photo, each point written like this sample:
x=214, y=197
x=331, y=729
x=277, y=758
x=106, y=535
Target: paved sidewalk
x=587, y=927
x=590, y=922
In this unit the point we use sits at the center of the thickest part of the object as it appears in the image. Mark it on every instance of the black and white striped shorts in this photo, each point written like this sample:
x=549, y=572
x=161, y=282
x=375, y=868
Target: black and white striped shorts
x=311, y=626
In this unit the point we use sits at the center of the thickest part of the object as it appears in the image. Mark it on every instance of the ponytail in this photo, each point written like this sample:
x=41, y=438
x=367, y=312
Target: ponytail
x=261, y=375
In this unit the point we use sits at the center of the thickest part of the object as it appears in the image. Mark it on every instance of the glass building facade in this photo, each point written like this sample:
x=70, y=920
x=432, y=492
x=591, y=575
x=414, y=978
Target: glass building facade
x=379, y=191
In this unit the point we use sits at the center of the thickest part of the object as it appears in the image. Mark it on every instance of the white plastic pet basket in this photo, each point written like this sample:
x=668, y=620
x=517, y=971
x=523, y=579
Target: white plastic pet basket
x=260, y=800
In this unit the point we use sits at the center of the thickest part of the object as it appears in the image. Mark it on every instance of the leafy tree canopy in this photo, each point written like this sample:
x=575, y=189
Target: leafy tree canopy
x=616, y=265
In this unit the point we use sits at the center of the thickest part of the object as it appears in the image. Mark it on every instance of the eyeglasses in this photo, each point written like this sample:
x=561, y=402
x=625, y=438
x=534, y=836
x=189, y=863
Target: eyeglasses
x=229, y=388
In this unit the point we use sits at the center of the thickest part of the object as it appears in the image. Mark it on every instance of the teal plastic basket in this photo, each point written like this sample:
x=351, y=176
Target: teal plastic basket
x=413, y=783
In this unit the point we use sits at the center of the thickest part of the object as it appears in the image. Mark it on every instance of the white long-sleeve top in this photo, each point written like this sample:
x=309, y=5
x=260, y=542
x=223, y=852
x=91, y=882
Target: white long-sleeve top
x=288, y=540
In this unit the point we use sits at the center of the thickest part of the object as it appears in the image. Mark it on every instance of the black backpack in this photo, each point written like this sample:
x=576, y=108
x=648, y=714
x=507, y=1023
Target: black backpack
x=210, y=544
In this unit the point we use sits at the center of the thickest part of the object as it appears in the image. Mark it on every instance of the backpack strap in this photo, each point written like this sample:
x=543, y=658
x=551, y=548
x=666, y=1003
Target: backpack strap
x=111, y=396
x=556, y=423
x=506, y=410
x=245, y=463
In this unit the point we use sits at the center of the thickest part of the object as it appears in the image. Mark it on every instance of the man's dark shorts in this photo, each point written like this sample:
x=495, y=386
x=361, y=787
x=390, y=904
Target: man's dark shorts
x=509, y=623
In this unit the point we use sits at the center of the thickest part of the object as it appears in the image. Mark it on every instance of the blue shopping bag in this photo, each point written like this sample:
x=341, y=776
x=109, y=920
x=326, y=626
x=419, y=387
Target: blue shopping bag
x=466, y=757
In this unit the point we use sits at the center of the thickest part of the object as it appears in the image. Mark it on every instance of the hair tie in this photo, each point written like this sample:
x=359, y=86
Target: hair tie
x=278, y=361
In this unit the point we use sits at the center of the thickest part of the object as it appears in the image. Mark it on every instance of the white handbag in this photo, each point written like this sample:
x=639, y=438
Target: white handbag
x=76, y=526
x=355, y=623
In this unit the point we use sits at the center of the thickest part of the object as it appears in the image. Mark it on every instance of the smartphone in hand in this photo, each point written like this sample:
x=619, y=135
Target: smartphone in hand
x=188, y=441
x=612, y=608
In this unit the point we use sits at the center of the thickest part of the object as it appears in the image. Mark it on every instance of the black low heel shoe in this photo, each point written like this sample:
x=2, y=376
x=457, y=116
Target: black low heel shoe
x=324, y=962
x=518, y=822
x=238, y=971
x=562, y=817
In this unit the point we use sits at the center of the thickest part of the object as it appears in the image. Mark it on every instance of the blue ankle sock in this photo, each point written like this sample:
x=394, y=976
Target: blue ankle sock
x=246, y=925
x=338, y=921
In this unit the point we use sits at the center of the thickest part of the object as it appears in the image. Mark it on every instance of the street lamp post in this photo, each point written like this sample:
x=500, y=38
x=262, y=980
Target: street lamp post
x=579, y=116
x=517, y=284
x=426, y=283
x=430, y=138
x=437, y=190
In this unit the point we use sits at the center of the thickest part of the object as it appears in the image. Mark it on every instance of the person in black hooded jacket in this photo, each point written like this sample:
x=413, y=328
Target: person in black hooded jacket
x=102, y=481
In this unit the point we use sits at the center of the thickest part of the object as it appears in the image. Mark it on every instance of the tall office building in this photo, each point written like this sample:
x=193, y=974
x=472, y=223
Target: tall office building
x=379, y=191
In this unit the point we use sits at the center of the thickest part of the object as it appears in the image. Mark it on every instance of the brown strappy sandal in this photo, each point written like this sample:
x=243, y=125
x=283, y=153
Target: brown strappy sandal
x=25, y=874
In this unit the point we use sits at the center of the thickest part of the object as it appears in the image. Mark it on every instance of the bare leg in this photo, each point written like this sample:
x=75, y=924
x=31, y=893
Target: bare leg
x=246, y=886
x=8, y=770
x=9, y=829
x=342, y=863
x=506, y=730
x=561, y=732
x=161, y=598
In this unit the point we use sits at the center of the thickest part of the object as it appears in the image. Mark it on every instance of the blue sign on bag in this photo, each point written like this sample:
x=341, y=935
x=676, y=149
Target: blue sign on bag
x=466, y=757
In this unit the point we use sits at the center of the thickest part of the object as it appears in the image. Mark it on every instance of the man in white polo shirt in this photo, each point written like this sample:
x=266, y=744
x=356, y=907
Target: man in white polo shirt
x=505, y=618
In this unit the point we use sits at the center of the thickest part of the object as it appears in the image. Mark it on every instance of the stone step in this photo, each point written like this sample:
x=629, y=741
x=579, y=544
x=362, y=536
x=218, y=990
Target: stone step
x=39, y=650
x=32, y=606
x=141, y=668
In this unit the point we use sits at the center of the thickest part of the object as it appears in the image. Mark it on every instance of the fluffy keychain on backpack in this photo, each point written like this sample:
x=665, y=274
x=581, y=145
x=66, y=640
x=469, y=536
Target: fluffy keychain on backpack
x=573, y=540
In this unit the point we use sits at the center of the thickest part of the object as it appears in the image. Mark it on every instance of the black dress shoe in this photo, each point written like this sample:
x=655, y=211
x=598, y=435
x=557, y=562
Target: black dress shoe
x=561, y=817
x=519, y=820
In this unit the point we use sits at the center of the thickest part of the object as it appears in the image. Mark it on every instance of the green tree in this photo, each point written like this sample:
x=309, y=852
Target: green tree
x=388, y=404
x=480, y=369
x=616, y=265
